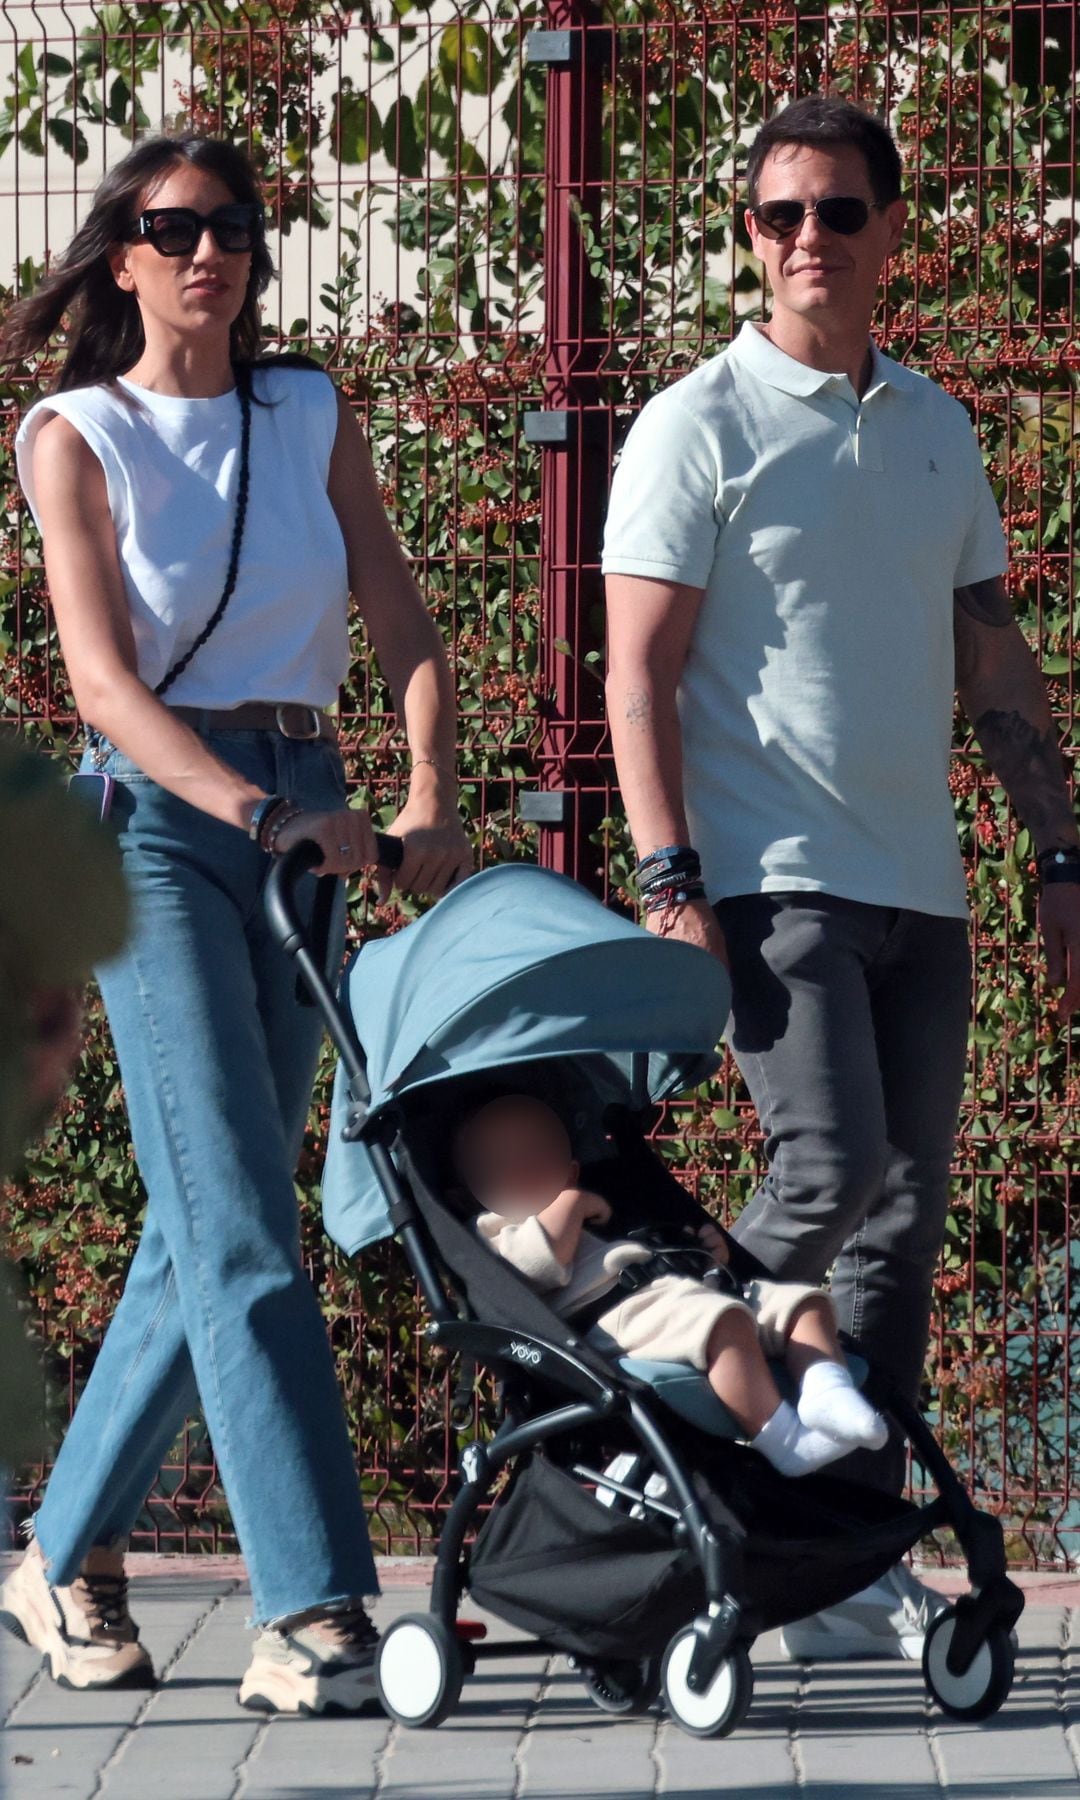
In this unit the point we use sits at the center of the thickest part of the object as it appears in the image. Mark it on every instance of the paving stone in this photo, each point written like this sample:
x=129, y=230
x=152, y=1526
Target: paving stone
x=192, y=1737
x=756, y=1760
x=1026, y=1738
x=572, y=1747
x=473, y=1754
x=525, y=1730
x=860, y=1728
x=55, y=1740
x=1069, y=1689
x=325, y=1758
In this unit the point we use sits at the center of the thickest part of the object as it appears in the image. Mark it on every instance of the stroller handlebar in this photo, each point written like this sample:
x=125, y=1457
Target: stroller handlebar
x=287, y=870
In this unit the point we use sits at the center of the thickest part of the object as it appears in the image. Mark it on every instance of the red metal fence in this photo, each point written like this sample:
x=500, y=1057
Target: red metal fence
x=501, y=243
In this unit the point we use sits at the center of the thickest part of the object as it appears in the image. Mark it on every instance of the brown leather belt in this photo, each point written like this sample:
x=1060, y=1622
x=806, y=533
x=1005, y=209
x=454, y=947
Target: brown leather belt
x=293, y=720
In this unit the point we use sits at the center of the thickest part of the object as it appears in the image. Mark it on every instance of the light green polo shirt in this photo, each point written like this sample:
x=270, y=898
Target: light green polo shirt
x=828, y=534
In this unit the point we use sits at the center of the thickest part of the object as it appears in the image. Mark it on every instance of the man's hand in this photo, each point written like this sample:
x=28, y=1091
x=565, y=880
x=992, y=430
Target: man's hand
x=692, y=923
x=1059, y=923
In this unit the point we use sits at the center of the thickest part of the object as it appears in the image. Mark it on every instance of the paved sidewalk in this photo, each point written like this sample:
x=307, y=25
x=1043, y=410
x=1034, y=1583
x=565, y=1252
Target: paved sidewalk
x=524, y=1730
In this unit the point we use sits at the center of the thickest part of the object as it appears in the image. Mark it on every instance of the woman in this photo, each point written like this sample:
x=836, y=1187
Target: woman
x=172, y=467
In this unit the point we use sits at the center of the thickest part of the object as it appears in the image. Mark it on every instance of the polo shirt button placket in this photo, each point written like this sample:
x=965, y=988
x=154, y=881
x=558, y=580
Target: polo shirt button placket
x=867, y=444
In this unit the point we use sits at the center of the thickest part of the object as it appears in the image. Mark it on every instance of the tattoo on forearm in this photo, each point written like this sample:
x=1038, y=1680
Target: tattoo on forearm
x=1029, y=766
x=638, y=707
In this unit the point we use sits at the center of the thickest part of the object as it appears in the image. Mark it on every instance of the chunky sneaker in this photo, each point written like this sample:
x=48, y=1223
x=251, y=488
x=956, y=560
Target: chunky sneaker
x=317, y=1662
x=85, y=1632
x=889, y=1618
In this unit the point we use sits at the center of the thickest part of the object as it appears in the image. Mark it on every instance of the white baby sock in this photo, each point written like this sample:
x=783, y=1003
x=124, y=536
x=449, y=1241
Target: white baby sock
x=785, y=1442
x=829, y=1401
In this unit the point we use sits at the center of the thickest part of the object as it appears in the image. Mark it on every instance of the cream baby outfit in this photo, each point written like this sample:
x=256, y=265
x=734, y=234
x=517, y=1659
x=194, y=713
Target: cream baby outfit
x=669, y=1320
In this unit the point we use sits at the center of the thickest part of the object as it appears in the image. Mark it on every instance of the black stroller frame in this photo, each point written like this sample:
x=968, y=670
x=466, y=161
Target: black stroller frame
x=562, y=1393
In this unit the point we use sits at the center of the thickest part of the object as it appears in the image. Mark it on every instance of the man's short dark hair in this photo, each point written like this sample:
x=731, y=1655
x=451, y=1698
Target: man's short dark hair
x=821, y=119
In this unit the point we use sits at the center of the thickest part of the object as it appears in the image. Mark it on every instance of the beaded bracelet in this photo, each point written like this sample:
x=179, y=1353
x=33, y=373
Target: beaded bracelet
x=284, y=816
x=674, y=896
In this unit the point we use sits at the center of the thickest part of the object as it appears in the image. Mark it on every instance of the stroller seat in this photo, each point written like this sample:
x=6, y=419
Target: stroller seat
x=687, y=1392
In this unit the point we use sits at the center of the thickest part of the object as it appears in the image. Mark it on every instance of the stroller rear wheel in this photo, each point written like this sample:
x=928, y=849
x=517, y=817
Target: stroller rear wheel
x=724, y=1703
x=985, y=1683
x=419, y=1669
x=622, y=1687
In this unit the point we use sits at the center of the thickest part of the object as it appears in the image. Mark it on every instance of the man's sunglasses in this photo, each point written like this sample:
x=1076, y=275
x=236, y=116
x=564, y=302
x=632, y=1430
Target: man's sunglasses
x=175, y=230
x=842, y=213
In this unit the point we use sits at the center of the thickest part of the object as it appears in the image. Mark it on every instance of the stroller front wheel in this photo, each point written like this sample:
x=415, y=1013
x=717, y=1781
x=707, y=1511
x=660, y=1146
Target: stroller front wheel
x=985, y=1683
x=419, y=1670
x=726, y=1700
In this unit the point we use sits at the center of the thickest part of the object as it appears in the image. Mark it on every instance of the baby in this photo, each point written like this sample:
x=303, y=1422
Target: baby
x=515, y=1157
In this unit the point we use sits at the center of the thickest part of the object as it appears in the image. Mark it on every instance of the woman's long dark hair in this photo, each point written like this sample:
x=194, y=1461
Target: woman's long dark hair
x=104, y=331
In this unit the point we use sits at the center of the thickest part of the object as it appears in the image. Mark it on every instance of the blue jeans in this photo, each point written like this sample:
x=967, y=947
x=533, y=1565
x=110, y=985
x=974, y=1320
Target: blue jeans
x=217, y=1059
x=849, y=1023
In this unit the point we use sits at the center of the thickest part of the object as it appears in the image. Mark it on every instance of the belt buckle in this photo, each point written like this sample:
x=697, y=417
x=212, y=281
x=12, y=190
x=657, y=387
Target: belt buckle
x=314, y=718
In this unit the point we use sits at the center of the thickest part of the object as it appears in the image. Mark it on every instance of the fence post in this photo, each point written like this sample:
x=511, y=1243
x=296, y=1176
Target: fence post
x=570, y=802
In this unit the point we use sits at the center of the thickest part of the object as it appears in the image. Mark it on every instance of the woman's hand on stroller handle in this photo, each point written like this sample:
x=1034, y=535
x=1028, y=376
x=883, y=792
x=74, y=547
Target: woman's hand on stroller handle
x=436, y=851
x=426, y=853
x=346, y=838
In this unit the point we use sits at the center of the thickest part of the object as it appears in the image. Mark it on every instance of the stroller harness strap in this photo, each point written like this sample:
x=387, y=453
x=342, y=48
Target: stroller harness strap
x=666, y=1259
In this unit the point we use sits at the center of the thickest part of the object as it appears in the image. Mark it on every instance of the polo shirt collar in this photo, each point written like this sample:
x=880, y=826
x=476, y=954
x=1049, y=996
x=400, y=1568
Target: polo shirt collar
x=761, y=356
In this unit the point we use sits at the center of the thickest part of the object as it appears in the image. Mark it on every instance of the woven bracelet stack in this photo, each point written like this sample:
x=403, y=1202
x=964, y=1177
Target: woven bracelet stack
x=669, y=877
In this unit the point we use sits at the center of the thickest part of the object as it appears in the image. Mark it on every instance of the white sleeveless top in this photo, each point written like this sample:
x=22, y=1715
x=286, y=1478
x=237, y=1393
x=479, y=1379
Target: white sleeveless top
x=171, y=470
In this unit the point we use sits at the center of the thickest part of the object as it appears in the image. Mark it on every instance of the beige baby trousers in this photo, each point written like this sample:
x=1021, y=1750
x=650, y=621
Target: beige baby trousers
x=673, y=1318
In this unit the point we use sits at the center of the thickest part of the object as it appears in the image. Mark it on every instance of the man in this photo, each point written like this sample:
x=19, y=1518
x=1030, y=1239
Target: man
x=800, y=531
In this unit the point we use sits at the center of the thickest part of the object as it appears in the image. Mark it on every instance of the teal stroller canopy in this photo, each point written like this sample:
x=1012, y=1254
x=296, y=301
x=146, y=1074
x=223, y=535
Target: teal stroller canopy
x=516, y=965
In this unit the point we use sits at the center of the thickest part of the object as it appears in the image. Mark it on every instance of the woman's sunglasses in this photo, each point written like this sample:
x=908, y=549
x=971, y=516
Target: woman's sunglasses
x=844, y=214
x=175, y=230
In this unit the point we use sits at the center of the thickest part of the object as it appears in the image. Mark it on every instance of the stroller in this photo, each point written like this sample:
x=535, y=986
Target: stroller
x=613, y=1513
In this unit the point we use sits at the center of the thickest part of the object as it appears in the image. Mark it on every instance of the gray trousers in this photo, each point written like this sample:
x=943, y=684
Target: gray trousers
x=849, y=1025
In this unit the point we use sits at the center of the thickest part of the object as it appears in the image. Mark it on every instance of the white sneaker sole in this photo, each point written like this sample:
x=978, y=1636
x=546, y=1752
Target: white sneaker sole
x=271, y=1687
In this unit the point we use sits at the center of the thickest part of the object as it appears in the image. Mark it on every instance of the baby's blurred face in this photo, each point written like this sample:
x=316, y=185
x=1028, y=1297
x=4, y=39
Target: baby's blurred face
x=514, y=1157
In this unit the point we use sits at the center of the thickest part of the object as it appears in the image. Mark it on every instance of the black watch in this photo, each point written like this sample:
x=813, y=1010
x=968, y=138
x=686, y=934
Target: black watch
x=1058, y=866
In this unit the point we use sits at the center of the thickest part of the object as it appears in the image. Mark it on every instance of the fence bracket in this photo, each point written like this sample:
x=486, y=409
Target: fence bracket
x=546, y=806
x=551, y=49
x=555, y=426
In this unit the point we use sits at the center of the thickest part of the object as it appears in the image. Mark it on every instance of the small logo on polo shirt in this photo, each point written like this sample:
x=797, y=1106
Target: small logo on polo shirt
x=933, y=467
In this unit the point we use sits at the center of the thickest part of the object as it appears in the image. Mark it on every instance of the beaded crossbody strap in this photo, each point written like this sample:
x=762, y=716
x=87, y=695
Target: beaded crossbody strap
x=244, y=393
